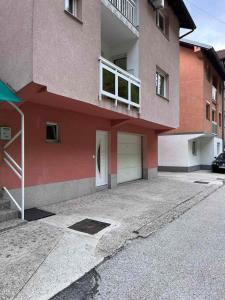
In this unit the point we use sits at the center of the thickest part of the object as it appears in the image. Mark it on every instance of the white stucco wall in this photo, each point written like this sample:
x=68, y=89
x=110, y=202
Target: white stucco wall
x=172, y=150
x=176, y=150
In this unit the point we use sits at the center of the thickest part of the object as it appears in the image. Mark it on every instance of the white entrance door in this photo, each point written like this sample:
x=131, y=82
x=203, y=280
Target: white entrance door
x=101, y=158
x=129, y=157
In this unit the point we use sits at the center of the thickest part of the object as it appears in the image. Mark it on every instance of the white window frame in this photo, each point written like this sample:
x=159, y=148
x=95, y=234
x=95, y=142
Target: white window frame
x=218, y=148
x=194, y=148
x=165, y=77
x=214, y=111
x=74, y=7
x=57, y=132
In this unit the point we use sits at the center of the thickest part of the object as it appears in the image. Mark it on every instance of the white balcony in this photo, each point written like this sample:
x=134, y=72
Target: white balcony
x=120, y=19
x=119, y=85
x=214, y=93
x=128, y=8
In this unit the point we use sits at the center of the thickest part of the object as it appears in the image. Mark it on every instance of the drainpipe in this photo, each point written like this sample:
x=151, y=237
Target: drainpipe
x=189, y=32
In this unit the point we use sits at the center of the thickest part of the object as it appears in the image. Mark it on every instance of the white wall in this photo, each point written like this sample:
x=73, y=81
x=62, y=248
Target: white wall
x=131, y=50
x=176, y=150
x=219, y=141
x=194, y=160
x=173, y=150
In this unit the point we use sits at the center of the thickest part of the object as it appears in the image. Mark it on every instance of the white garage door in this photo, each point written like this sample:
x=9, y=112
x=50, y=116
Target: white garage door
x=129, y=160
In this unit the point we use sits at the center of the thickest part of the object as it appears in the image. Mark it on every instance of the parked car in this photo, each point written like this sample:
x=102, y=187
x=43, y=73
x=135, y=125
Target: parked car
x=219, y=163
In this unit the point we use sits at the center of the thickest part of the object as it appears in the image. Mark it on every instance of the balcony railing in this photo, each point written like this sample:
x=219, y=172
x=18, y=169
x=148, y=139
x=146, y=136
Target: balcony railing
x=214, y=128
x=128, y=9
x=214, y=93
x=118, y=84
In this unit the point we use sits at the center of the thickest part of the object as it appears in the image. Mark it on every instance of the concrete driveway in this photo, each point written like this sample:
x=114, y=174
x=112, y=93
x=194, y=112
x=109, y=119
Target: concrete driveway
x=48, y=256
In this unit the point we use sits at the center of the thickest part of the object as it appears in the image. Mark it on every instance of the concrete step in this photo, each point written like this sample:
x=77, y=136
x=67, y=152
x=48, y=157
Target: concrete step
x=4, y=204
x=8, y=214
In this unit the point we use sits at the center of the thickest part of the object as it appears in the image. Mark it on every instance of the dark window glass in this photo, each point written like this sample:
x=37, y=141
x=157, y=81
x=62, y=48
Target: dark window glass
x=51, y=132
x=121, y=62
x=220, y=119
x=208, y=111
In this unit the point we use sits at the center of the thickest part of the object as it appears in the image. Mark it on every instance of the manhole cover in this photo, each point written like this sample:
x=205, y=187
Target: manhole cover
x=201, y=182
x=89, y=226
x=33, y=214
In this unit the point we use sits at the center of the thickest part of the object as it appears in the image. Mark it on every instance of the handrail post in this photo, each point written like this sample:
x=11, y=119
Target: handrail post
x=22, y=134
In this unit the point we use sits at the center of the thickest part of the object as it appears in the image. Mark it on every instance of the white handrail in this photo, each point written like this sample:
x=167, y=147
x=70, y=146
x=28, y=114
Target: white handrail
x=119, y=74
x=11, y=196
x=18, y=170
x=128, y=9
x=118, y=69
x=13, y=161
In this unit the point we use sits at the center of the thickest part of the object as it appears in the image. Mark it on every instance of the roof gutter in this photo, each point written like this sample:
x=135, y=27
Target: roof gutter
x=189, y=32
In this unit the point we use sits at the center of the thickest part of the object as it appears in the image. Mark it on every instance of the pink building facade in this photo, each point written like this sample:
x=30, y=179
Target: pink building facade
x=86, y=74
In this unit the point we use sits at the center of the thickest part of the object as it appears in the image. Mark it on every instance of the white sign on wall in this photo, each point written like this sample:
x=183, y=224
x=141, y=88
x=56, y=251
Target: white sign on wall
x=5, y=133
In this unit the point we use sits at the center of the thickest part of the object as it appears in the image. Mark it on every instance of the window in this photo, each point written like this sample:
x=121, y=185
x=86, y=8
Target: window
x=213, y=115
x=207, y=111
x=220, y=119
x=162, y=22
x=194, y=148
x=218, y=149
x=52, y=132
x=161, y=84
x=208, y=72
x=71, y=7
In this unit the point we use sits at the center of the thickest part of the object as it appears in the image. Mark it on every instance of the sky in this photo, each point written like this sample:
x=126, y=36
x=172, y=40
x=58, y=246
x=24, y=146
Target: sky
x=209, y=16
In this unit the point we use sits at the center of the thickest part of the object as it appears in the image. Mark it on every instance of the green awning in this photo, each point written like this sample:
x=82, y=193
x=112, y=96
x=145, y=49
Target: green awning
x=6, y=94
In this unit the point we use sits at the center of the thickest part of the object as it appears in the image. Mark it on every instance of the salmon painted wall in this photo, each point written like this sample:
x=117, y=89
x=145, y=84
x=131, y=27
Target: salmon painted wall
x=195, y=92
x=191, y=92
x=72, y=158
x=208, y=97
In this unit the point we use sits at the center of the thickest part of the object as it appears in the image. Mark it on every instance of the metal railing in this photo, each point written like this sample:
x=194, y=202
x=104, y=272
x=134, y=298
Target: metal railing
x=214, y=128
x=118, y=84
x=13, y=165
x=128, y=9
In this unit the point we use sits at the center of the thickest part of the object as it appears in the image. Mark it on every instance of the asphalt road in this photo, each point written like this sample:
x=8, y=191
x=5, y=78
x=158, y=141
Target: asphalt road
x=184, y=260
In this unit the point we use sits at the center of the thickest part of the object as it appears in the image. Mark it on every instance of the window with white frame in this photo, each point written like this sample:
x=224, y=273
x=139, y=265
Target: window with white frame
x=52, y=132
x=161, y=84
x=194, y=148
x=71, y=6
x=161, y=21
x=218, y=149
x=213, y=115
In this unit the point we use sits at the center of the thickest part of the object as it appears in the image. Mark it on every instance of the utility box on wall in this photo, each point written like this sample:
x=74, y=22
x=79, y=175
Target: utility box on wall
x=5, y=133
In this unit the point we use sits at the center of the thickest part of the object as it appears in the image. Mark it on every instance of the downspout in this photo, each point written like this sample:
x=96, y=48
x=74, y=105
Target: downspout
x=189, y=32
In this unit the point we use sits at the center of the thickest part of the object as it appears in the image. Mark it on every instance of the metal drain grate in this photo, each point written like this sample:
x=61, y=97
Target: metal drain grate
x=89, y=226
x=201, y=182
x=33, y=214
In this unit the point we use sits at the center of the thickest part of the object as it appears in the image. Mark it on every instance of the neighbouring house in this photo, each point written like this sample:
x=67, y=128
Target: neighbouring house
x=99, y=80
x=198, y=139
x=221, y=55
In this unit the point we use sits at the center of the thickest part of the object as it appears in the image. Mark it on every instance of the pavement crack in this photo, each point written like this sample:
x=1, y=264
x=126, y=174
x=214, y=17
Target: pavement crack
x=43, y=261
